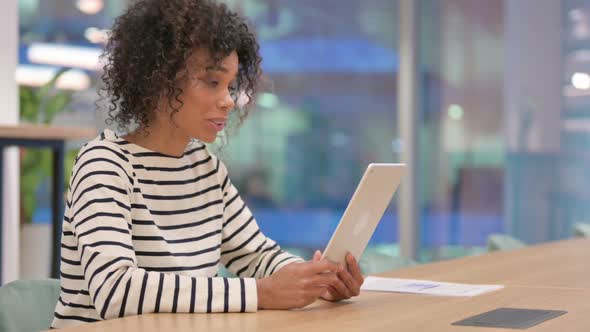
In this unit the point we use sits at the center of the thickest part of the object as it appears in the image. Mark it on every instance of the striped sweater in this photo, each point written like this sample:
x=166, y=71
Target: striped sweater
x=144, y=232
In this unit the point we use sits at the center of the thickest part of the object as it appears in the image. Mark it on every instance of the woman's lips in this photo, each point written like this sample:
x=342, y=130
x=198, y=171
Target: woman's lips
x=217, y=124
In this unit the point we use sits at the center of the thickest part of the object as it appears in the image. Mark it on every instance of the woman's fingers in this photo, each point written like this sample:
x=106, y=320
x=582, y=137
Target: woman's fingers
x=317, y=256
x=342, y=290
x=348, y=281
x=354, y=269
x=332, y=283
x=322, y=266
x=321, y=280
x=329, y=280
x=332, y=294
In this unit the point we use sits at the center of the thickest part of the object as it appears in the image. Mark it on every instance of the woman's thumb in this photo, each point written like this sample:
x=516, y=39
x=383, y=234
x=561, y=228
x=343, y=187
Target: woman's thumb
x=317, y=255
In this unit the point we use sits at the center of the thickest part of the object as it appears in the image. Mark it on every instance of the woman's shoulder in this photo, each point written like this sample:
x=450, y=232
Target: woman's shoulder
x=106, y=146
x=101, y=156
x=204, y=153
x=199, y=150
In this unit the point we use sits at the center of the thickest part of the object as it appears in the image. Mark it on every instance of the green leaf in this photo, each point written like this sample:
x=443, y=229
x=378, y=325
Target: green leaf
x=46, y=162
x=45, y=89
x=40, y=105
x=29, y=104
x=69, y=165
x=55, y=104
x=29, y=204
x=29, y=182
x=31, y=159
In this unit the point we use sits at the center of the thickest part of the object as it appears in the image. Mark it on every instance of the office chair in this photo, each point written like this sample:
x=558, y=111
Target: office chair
x=503, y=242
x=582, y=230
x=28, y=305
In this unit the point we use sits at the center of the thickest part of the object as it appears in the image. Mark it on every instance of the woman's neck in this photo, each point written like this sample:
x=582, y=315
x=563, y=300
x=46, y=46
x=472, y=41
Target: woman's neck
x=159, y=138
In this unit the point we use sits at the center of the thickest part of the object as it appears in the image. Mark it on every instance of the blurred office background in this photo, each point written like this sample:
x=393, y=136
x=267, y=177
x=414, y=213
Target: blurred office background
x=502, y=124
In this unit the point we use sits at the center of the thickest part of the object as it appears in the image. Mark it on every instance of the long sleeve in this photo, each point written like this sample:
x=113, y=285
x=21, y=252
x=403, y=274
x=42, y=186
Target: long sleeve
x=245, y=250
x=100, y=223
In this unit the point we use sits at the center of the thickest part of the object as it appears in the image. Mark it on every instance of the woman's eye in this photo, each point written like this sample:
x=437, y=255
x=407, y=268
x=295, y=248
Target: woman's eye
x=214, y=83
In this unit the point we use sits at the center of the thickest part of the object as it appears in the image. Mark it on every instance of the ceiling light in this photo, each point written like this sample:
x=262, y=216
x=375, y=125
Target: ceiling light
x=581, y=81
x=65, y=55
x=90, y=7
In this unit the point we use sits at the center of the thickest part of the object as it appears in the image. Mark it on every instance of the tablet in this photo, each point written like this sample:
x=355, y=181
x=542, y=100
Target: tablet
x=364, y=211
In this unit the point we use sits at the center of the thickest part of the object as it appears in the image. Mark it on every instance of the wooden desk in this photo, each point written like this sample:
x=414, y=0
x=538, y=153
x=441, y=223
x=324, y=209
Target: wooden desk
x=373, y=311
x=555, y=264
x=46, y=137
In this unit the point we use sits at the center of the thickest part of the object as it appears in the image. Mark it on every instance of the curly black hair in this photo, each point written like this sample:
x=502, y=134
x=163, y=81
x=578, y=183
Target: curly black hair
x=149, y=45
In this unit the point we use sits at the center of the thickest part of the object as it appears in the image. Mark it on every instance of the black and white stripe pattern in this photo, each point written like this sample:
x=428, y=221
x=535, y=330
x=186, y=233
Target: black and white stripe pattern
x=144, y=232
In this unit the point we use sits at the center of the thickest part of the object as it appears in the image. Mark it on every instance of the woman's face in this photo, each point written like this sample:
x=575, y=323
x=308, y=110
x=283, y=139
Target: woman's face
x=208, y=96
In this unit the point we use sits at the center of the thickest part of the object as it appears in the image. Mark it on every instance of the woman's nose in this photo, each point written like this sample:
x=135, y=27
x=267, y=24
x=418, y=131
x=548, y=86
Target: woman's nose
x=226, y=102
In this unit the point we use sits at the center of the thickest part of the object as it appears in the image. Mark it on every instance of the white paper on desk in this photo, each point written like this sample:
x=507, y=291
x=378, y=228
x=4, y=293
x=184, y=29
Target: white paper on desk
x=429, y=287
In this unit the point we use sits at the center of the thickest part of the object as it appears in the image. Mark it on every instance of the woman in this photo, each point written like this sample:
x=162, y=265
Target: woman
x=151, y=214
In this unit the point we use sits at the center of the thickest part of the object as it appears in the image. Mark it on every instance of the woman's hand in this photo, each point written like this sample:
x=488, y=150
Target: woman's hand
x=349, y=280
x=297, y=285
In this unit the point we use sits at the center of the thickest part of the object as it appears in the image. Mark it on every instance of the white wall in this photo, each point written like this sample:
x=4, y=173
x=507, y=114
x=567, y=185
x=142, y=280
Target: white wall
x=9, y=115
